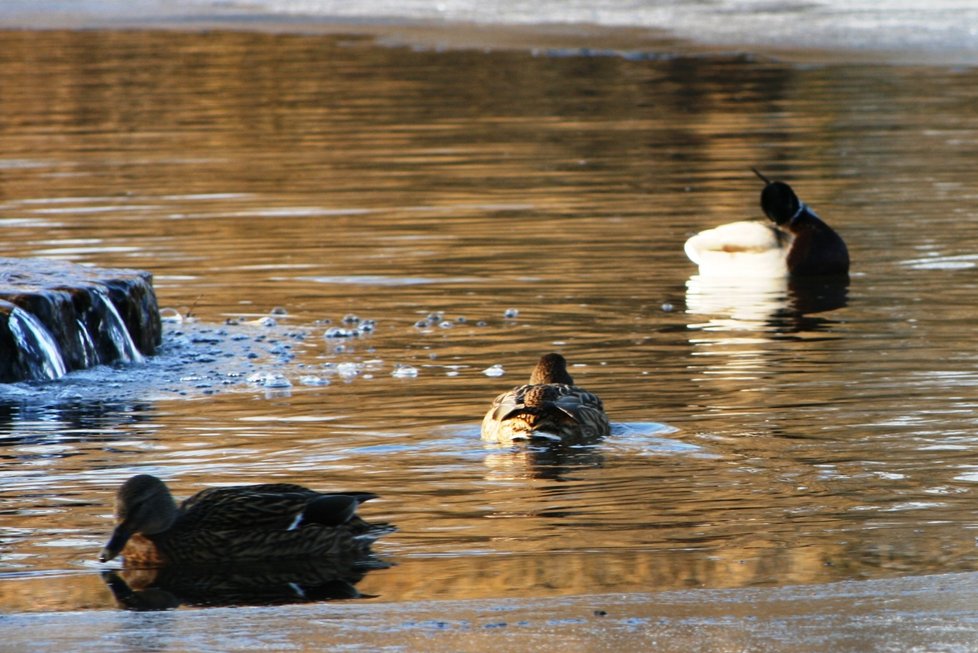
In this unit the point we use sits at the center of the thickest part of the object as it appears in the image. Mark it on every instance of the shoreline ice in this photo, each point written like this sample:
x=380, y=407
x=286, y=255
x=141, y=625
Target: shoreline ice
x=888, y=31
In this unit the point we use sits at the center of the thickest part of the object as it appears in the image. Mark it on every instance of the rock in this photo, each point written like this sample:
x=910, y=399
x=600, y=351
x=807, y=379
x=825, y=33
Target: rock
x=56, y=317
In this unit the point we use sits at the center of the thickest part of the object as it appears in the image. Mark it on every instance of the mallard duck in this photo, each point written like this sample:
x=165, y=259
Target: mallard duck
x=550, y=407
x=277, y=521
x=797, y=244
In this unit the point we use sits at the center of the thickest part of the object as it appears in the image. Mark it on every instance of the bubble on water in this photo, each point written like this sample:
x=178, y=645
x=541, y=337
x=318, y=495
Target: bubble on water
x=313, y=380
x=511, y=313
x=404, y=371
x=266, y=321
x=337, y=332
x=362, y=327
x=494, y=370
x=170, y=316
x=348, y=370
x=446, y=324
x=667, y=307
x=278, y=310
x=269, y=380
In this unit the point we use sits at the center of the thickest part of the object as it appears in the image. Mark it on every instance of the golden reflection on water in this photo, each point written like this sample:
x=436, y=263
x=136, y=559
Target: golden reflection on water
x=772, y=435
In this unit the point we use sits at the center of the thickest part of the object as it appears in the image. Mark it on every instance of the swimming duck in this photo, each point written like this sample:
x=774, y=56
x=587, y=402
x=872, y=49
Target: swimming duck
x=550, y=407
x=276, y=521
x=798, y=243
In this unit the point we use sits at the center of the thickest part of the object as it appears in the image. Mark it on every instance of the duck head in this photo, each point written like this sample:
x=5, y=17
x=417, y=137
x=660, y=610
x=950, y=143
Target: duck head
x=778, y=200
x=551, y=368
x=142, y=505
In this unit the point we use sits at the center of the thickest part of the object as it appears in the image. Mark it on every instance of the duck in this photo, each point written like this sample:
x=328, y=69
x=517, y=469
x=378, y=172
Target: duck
x=245, y=523
x=549, y=407
x=797, y=244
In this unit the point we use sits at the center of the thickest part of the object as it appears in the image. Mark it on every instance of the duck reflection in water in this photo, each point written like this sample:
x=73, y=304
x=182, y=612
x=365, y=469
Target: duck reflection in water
x=278, y=583
x=779, y=306
x=551, y=461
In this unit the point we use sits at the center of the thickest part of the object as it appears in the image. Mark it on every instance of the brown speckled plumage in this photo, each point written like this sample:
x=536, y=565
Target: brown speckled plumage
x=267, y=522
x=550, y=406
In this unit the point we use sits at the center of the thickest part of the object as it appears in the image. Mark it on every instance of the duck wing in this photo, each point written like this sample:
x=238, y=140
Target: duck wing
x=549, y=400
x=272, y=506
x=524, y=398
x=586, y=409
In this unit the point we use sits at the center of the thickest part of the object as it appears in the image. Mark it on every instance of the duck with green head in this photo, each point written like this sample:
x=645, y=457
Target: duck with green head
x=795, y=242
x=549, y=407
x=246, y=523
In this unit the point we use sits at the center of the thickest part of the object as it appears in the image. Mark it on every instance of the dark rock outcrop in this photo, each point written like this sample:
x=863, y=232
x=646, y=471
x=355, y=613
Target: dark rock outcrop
x=56, y=317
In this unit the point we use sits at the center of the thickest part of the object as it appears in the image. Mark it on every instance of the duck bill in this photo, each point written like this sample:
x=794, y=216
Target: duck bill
x=761, y=176
x=117, y=542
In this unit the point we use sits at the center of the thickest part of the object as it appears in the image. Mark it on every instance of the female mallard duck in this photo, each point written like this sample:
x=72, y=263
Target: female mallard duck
x=550, y=406
x=798, y=243
x=277, y=521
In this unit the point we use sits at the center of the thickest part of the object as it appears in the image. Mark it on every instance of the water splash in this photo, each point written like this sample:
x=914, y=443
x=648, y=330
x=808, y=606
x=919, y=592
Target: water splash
x=113, y=329
x=86, y=345
x=39, y=350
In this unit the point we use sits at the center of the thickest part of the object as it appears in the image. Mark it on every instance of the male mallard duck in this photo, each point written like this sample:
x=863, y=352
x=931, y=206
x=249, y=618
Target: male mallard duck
x=275, y=521
x=550, y=406
x=798, y=243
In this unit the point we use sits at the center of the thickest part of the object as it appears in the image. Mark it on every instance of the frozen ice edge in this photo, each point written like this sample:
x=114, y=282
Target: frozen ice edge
x=941, y=32
x=918, y=613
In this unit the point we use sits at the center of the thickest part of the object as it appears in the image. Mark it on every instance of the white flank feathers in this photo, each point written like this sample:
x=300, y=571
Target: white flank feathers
x=745, y=249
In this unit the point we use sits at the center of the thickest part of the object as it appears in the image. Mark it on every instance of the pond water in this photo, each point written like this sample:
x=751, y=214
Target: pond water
x=763, y=436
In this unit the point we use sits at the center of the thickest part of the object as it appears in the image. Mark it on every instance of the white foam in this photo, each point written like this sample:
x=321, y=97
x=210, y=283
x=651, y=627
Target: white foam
x=34, y=340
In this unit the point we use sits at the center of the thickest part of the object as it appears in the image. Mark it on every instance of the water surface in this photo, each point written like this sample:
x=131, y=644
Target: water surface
x=764, y=436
